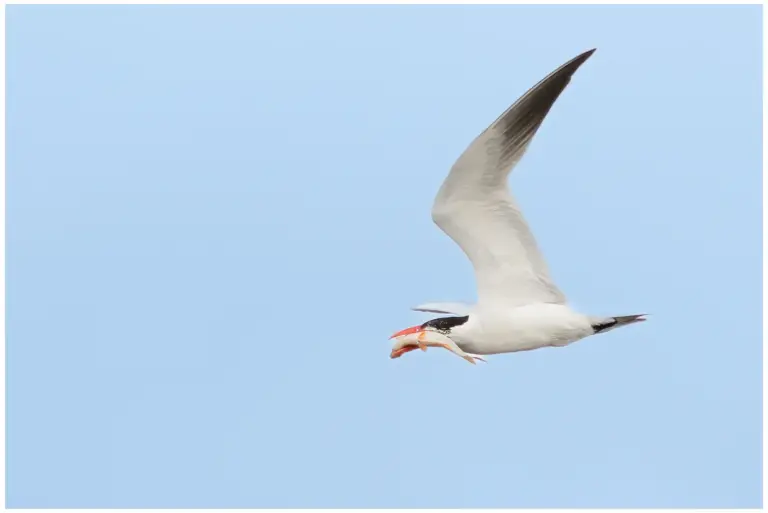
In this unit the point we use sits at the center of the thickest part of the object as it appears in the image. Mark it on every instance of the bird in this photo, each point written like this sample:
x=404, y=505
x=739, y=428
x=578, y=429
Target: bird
x=518, y=306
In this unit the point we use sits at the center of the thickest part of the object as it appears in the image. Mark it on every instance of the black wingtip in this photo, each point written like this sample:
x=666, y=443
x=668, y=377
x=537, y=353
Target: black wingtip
x=581, y=58
x=519, y=123
x=569, y=68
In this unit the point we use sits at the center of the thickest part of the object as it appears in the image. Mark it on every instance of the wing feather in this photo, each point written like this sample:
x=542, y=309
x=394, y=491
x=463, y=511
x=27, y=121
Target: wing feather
x=444, y=308
x=474, y=206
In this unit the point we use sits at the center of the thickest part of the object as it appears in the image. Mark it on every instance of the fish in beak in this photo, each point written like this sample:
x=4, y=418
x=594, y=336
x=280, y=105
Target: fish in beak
x=409, y=339
x=422, y=337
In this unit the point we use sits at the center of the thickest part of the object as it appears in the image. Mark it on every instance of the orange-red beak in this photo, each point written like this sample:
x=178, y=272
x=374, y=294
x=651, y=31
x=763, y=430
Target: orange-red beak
x=413, y=330
x=407, y=331
x=400, y=352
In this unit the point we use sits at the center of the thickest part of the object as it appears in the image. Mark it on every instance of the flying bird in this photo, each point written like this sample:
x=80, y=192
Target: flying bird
x=519, y=307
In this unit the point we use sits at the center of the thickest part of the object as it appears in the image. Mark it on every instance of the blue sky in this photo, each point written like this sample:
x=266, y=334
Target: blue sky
x=217, y=215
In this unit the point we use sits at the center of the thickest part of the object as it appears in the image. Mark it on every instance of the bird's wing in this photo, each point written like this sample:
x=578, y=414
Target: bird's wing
x=460, y=309
x=475, y=208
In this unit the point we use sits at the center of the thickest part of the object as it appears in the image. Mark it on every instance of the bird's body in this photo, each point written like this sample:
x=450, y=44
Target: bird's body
x=519, y=307
x=503, y=329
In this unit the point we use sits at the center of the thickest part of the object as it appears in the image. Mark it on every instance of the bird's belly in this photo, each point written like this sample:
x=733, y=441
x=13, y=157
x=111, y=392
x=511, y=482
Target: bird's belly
x=507, y=344
x=526, y=330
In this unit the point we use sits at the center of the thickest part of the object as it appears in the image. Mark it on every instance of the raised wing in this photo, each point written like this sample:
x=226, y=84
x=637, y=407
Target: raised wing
x=475, y=208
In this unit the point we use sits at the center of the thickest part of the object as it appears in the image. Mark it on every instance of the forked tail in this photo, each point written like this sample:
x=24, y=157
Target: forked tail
x=609, y=323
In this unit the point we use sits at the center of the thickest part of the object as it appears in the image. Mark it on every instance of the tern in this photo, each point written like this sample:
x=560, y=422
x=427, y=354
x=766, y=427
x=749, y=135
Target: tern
x=518, y=307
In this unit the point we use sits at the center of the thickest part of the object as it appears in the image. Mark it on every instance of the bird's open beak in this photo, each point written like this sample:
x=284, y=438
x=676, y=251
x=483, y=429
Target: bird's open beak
x=407, y=343
x=407, y=331
x=397, y=353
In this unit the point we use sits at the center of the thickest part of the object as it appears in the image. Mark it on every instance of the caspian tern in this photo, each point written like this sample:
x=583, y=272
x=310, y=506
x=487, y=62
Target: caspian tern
x=518, y=308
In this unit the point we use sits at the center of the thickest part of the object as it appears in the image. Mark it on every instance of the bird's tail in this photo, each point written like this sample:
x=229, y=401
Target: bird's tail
x=609, y=323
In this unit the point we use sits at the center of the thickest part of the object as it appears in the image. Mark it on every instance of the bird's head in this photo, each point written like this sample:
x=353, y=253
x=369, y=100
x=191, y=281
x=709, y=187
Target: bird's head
x=431, y=331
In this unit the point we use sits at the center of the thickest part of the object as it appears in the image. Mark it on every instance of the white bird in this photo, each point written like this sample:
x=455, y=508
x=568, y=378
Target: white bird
x=519, y=308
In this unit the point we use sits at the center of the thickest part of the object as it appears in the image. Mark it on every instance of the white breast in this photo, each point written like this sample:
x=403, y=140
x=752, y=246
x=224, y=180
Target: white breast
x=506, y=330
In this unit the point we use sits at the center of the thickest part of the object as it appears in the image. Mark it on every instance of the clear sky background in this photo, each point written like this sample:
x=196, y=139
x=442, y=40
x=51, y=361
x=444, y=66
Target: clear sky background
x=218, y=215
